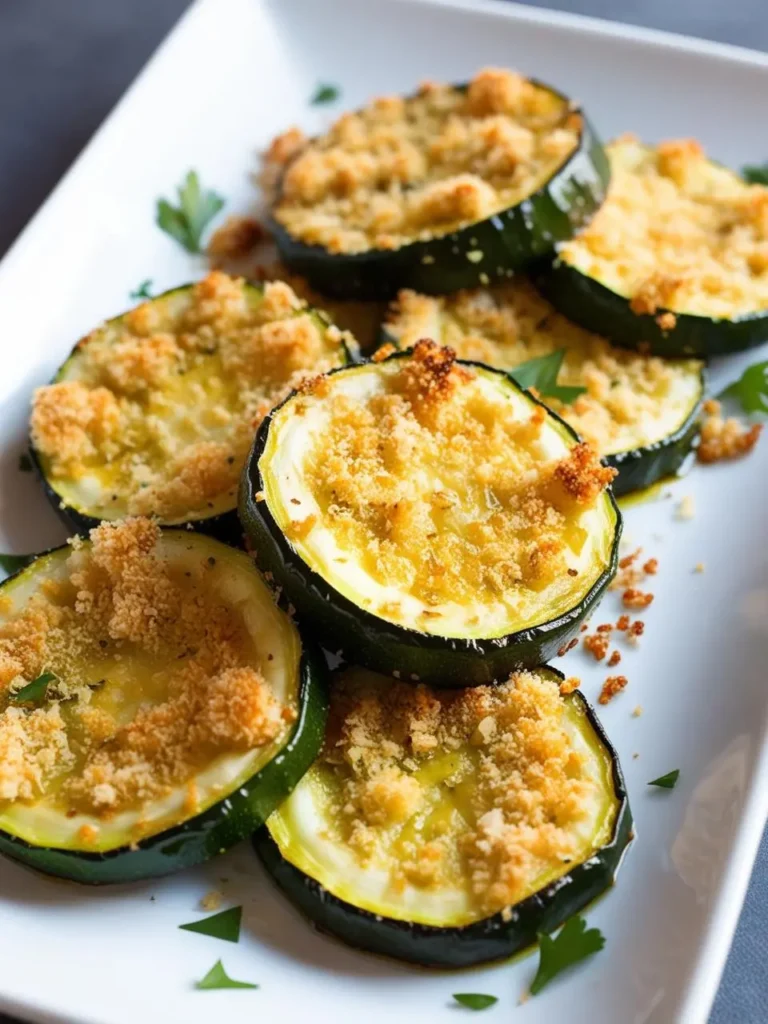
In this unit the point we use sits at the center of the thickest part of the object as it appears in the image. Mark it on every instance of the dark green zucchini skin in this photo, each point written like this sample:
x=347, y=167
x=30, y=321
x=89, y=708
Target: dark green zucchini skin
x=490, y=939
x=224, y=526
x=219, y=827
x=589, y=303
x=368, y=640
x=639, y=468
x=508, y=241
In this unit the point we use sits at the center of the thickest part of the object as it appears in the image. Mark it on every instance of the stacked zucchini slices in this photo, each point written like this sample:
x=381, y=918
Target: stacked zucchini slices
x=444, y=529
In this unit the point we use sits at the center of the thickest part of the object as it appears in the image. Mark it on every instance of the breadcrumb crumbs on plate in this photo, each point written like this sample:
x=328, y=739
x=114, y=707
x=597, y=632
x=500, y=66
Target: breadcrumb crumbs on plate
x=597, y=644
x=569, y=685
x=622, y=623
x=614, y=659
x=637, y=711
x=686, y=508
x=699, y=567
x=212, y=900
x=726, y=438
x=612, y=686
x=634, y=598
x=573, y=642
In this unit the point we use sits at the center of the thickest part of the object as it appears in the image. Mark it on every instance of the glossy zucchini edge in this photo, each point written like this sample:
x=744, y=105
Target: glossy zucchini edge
x=223, y=526
x=493, y=938
x=383, y=646
x=591, y=304
x=508, y=240
x=220, y=826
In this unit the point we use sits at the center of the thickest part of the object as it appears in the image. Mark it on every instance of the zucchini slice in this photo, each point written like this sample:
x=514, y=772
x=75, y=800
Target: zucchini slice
x=434, y=519
x=676, y=262
x=448, y=828
x=453, y=187
x=641, y=413
x=182, y=705
x=154, y=412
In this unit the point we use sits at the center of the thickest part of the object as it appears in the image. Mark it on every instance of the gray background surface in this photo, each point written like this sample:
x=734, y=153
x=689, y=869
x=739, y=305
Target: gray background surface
x=64, y=64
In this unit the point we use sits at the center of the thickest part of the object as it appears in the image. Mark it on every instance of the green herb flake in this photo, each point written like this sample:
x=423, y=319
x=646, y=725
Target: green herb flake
x=143, y=291
x=575, y=942
x=225, y=925
x=668, y=781
x=325, y=93
x=12, y=563
x=187, y=221
x=34, y=692
x=541, y=373
x=25, y=463
x=751, y=389
x=217, y=977
x=474, y=1000
x=755, y=174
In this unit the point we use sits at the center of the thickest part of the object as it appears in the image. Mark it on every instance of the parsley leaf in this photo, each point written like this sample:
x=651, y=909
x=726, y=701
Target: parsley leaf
x=142, y=292
x=474, y=1000
x=225, y=925
x=541, y=373
x=751, y=389
x=217, y=978
x=325, y=93
x=12, y=563
x=755, y=174
x=574, y=942
x=187, y=221
x=25, y=463
x=668, y=781
x=34, y=692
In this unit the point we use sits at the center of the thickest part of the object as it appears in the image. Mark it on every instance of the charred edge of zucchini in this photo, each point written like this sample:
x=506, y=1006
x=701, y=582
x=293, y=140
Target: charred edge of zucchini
x=591, y=304
x=217, y=828
x=223, y=526
x=508, y=240
x=493, y=938
x=383, y=646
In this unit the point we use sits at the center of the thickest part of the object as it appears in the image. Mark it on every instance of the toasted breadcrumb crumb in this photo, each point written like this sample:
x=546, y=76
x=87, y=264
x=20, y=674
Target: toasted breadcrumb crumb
x=727, y=438
x=699, y=567
x=622, y=623
x=634, y=598
x=637, y=711
x=612, y=686
x=573, y=642
x=686, y=508
x=569, y=685
x=212, y=900
x=614, y=659
x=597, y=644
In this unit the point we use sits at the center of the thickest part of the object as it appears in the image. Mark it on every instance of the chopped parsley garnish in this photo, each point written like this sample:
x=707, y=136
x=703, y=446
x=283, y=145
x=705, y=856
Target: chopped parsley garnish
x=187, y=221
x=34, y=692
x=573, y=943
x=751, y=389
x=25, y=463
x=143, y=292
x=474, y=1000
x=325, y=93
x=12, y=563
x=225, y=925
x=217, y=977
x=541, y=373
x=755, y=174
x=668, y=781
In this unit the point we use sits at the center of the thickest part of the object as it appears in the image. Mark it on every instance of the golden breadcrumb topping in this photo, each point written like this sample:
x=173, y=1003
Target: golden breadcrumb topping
x=482, y=785
x=630, y=399
x=612, y=686
x=406, y=169
x=440, y=486
x=677, y=232
x=725, y=437
x=157, y=410
x=155, y=675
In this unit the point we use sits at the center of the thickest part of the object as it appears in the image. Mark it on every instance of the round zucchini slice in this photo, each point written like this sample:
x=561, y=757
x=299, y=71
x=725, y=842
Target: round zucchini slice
x=155, y=704
x=154, y=412
x=676, y=261
x=453, y=187
x=431, y=517
x=641, y=413
x=448, y=828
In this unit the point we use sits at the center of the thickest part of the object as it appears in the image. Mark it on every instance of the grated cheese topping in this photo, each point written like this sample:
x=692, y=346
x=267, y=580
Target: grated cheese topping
x=631, y=400
x=157, y=675
x=156, y=411
x=454, y=500
x=483, y=789
x=677, y=232
x=405, y=169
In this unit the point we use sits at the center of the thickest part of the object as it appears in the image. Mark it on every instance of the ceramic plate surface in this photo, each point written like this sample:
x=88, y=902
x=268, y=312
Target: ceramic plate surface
x=232, y=74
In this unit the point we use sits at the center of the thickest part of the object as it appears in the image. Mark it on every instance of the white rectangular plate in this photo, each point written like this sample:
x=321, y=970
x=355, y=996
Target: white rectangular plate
x=232, y=74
